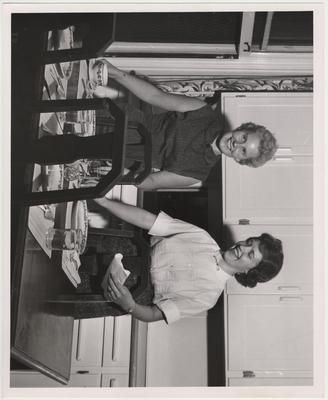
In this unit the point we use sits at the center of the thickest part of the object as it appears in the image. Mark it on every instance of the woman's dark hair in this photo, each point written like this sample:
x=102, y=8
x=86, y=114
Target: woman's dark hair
x=269, y=267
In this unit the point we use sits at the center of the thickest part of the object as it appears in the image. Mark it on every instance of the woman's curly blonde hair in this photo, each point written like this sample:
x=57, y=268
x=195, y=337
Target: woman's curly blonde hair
x=268, y=144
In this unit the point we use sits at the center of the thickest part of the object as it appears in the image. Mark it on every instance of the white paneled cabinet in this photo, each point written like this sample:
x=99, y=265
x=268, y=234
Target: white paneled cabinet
x=269, y=328
x=288, y=115
x=296, y=276
x=117, y=334
x=100, y=356
x=115, y=379
x=177, y=353
x=105, y=349
x=280, y=192
x=32, y=379
x=269, y=332
x=87, y=349
x=299, y=381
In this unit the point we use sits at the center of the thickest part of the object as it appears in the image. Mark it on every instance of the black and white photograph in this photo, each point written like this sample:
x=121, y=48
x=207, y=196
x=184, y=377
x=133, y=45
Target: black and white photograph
x=164, y=200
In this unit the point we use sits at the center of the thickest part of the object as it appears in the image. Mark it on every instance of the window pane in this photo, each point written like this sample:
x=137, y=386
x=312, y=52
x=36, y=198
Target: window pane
x=203, y=27
x=288, y=29
x=292, y=28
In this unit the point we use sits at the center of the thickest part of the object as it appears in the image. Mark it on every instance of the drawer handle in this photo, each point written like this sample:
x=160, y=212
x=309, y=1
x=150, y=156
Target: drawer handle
x=291, y=299
x=284, y=151
x=284, y=159
x=82, y=372
x=286, y=288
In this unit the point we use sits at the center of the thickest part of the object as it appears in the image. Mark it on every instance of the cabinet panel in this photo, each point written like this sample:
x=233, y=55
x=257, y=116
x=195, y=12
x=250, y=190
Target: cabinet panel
x=115, y=380
x=87, y=342
x=177, y=353
x=270, y=332
x=85, y=380
x=117, y=340
x=296, y=275
x=270, y=382
x=279, y=192
x=288, y=115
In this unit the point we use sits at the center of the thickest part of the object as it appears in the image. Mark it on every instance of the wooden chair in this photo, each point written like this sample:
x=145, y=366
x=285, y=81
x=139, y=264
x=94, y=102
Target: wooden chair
x=116, y=153
x=96, y=31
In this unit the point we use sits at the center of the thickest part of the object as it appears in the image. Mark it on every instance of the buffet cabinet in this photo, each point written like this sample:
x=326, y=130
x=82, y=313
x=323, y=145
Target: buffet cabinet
x=269, y=328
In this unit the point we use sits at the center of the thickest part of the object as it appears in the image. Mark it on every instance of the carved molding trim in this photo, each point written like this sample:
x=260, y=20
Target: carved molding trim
x=207, y=87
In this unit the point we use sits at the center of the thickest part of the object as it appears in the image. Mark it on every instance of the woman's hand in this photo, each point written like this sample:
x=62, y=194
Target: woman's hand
x=113, y=72
x=119, y=294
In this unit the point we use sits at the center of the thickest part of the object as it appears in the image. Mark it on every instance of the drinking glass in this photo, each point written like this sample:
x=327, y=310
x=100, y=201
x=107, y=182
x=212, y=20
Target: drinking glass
x=63, y=239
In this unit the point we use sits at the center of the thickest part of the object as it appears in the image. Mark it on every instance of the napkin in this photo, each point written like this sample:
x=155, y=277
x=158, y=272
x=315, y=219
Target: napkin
x=70, y=264
x=117, y=270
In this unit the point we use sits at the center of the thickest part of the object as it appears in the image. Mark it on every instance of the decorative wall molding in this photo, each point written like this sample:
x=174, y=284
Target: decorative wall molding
x=208, y=87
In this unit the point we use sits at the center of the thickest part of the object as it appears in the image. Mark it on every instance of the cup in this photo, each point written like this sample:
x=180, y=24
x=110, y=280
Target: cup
x=99, y=74
x=63, y=239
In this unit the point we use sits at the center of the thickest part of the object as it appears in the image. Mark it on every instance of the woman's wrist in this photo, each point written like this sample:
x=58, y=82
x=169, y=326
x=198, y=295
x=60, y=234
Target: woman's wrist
x=132, y=308
x=115, y=73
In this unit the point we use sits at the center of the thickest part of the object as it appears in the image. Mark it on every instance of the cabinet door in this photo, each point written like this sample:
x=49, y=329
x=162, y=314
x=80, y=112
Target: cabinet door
x=280, y=192
x=296, y=275
x=87, y=342
x=270, y=382
x=117, y=340
x=289, y=116
x=269, y=332
x=177, y=353
x=115, y=380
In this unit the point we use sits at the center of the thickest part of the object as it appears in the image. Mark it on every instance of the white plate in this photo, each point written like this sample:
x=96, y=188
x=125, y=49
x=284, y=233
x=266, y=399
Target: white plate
x=79, y=220
x=98, y=76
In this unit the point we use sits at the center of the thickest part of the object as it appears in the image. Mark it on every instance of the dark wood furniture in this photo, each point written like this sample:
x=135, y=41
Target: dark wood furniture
x=95, y=32
x=40, y=337
x=93, y=305
x=117, y=153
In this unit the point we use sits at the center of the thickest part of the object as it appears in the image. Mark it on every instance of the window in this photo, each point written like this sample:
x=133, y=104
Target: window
x=283, y=31
x=178, y=34
x=210, y=34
